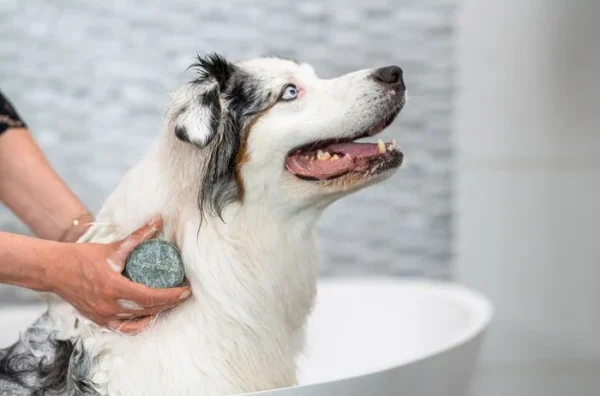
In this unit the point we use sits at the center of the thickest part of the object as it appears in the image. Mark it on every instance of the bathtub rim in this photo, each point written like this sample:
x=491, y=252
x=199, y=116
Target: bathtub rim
x=480, y=306
x=480, y=309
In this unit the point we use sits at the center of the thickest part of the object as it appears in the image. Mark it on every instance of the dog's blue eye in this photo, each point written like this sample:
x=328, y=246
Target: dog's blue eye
x=290, y=92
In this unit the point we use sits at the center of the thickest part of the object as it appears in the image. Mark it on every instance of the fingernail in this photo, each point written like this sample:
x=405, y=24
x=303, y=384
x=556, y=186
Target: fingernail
x=185, y=295
x=154, y=221
x=154, y=226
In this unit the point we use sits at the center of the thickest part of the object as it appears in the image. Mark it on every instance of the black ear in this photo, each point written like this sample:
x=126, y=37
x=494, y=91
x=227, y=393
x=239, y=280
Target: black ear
x=213, y=67
x=199, y=118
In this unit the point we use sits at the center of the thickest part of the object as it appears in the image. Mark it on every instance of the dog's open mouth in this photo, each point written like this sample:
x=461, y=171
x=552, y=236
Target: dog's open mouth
x=330, y=159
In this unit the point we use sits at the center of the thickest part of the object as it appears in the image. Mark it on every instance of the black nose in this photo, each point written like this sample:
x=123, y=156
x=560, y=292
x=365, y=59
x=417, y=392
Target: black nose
x=389, y=75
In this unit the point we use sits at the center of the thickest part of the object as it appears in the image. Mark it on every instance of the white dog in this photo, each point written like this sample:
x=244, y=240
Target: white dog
x=251, y=155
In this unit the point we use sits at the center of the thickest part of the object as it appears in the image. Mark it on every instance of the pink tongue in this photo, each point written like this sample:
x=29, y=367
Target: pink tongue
x=301, y=164
x=354, y=149
x=318, y=169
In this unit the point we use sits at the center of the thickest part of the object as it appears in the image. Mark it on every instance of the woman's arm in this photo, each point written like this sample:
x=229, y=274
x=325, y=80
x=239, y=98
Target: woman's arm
x=35, y=192
x=29, y=260
x=88, y=276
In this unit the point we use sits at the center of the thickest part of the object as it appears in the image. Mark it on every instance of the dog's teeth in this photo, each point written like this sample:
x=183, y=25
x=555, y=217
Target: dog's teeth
x=335, y=157
x=392, y=145
x=323, y=155
x=381, y=146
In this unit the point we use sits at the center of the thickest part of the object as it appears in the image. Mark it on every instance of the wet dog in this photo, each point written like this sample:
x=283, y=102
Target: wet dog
x=251, y=154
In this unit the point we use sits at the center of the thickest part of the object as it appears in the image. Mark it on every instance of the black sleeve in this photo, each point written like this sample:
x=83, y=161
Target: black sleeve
x=9, y=118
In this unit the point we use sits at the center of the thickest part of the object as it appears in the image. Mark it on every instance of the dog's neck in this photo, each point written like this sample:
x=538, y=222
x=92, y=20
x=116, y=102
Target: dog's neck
x=254, y=262
x=253, y=275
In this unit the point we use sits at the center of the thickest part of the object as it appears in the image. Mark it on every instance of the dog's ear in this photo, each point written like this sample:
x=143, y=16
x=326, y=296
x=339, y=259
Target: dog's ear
x=198, y=119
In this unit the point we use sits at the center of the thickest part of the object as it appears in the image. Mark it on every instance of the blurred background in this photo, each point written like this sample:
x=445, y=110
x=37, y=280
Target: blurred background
x=91, y=79
x=501, y=185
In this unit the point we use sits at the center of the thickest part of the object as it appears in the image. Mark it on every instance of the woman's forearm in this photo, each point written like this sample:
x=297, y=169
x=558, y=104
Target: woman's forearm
x=32, y=189
x=25, y=261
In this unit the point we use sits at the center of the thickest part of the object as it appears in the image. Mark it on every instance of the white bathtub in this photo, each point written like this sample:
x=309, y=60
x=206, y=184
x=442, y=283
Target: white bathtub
x=375, y=337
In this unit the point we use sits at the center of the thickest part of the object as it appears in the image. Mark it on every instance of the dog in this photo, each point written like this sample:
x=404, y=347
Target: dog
x=250, y=156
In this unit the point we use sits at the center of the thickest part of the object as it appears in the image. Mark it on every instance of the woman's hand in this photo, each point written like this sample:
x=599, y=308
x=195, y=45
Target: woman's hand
x=89, y=277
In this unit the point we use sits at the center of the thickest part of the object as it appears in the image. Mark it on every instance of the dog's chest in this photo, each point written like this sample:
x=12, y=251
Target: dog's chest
x=209, y=358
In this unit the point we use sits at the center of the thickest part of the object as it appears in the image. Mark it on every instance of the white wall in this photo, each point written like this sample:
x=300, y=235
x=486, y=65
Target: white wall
x=528, y=190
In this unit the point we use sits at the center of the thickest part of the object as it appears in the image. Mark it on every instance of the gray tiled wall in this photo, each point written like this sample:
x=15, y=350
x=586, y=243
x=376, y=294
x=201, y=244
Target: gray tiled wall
x=91, y=77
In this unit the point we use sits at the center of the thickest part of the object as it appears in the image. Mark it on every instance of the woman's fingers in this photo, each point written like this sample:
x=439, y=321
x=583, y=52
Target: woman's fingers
x=136, y=296
x=152, y=311
x=132, y=309
x=123, y=248
x=132, y=326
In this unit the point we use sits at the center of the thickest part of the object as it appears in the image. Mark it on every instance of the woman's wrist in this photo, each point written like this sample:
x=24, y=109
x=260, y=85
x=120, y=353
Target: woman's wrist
x=78, y=226
x=53, y=272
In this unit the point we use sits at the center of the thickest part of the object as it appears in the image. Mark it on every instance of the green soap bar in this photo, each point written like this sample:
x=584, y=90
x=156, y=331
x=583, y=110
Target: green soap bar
x=155, y=263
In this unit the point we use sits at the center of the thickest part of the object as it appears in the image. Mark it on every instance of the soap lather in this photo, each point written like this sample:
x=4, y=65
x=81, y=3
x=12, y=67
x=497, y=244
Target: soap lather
x=155, y=263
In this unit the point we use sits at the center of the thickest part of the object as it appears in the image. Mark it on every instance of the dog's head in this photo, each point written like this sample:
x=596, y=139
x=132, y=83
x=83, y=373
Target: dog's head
x=270, y=131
